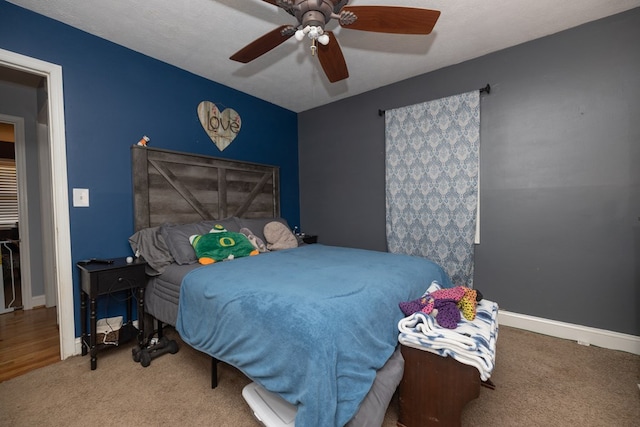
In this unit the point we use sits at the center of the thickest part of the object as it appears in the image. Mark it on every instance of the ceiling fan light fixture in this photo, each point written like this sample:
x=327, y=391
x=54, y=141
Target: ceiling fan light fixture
x=323, y=39
x=315, y=32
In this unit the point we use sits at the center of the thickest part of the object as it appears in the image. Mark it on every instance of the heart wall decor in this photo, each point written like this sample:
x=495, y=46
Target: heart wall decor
x=222, y=127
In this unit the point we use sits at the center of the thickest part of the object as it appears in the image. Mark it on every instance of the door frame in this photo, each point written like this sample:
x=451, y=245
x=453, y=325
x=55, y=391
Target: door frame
x=59, y=191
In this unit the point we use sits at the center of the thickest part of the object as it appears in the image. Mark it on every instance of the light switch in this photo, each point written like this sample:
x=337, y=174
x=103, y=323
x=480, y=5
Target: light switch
x=80, y=197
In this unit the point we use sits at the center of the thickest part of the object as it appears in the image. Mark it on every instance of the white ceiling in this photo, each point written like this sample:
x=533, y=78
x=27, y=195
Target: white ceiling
x=200, y=35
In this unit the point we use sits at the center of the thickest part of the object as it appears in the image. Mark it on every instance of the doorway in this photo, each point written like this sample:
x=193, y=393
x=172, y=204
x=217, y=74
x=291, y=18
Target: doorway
x=10, y=277
x=55, y=229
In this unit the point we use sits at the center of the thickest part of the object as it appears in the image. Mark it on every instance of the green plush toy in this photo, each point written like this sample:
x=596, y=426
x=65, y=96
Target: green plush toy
x=220, y=244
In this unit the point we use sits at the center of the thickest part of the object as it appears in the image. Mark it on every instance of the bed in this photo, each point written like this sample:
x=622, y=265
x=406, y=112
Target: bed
x=315, y=324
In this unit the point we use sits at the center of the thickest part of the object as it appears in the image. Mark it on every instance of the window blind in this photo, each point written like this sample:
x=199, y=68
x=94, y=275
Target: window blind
x=8, y=193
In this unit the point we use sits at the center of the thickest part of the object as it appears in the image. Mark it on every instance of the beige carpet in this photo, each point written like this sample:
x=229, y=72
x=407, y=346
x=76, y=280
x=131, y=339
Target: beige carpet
x=540, y=380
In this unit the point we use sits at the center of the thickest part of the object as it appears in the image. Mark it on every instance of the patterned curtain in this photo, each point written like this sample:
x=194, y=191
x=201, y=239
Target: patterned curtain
x=432, y=152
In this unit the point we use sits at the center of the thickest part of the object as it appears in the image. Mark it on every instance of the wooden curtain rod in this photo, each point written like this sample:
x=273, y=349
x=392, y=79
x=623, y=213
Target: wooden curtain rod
x=486, y=89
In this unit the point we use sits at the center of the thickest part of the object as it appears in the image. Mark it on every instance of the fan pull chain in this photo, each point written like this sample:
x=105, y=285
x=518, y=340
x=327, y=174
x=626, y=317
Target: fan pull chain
x=314, y=48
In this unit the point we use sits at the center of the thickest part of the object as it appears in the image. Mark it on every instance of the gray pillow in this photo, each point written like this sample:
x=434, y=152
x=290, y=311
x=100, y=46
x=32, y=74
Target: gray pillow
x=256, y=225
x=150, y=245
x=177, y=237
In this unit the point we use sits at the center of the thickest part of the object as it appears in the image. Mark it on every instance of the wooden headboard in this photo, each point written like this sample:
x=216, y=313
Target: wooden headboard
x=170, y=186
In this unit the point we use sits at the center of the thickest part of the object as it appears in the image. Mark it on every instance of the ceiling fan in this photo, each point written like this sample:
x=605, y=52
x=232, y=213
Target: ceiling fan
x=313, y=15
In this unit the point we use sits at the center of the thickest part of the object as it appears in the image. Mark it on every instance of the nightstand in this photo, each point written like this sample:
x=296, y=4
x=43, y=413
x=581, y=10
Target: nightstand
x=105, y=278
x=309, y=238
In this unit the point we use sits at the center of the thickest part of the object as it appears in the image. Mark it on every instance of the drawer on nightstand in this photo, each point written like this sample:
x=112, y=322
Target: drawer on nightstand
x=124, y=278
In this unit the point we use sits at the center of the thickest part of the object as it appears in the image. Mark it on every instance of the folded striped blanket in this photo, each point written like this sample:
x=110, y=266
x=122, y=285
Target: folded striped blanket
x=471, y=342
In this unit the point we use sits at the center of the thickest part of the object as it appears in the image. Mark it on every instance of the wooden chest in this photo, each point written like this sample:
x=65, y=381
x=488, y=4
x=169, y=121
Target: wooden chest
x=434, y=389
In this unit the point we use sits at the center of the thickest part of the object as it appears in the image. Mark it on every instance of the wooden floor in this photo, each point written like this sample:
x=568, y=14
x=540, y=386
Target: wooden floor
x=29, y=339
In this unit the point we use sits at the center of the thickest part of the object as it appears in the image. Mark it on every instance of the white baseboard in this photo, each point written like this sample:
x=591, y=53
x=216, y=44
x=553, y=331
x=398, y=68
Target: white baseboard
x=38, y=301
x=584, y=335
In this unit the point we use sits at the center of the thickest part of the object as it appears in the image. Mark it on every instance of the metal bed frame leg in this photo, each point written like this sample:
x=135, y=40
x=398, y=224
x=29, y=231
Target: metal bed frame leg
x=214, y=372
x=160, y=332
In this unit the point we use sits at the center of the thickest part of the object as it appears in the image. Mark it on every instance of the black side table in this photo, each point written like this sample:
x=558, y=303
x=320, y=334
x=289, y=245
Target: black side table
x=99, y=278
x=309, y=238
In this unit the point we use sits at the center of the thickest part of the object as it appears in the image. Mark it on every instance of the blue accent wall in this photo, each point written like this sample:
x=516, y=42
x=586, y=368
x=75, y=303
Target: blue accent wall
x=113, y=96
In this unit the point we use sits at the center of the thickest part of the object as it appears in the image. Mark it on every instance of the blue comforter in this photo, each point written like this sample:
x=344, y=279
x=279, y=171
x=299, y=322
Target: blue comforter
x=312, y=324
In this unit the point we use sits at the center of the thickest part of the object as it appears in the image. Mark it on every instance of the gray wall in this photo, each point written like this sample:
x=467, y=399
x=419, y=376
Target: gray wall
x=560, y=171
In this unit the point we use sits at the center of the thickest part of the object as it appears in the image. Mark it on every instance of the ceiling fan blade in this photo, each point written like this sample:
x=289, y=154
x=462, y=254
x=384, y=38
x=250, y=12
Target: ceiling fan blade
x=332, y=59
x=262, y=45
x=392, y=19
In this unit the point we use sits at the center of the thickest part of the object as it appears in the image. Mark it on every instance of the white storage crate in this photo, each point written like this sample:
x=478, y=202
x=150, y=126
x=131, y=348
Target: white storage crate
x=269, y=408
